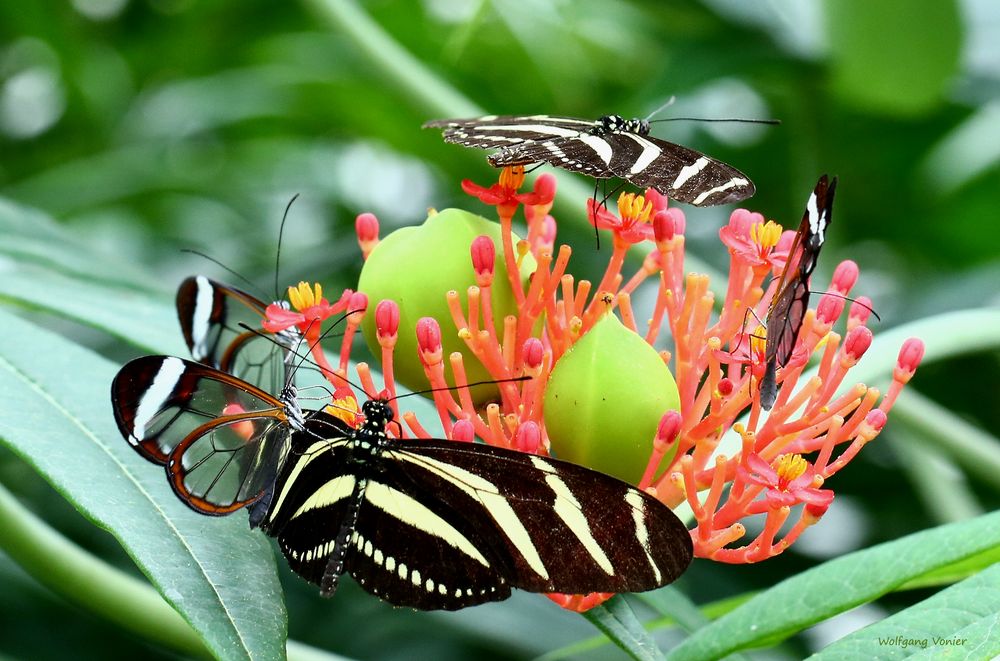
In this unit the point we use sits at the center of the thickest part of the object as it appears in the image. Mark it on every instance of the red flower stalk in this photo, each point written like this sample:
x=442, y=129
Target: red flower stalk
x=780, y=463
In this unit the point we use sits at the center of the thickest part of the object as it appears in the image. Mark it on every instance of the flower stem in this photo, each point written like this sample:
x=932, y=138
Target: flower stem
x=403, y=71
x=938, y=428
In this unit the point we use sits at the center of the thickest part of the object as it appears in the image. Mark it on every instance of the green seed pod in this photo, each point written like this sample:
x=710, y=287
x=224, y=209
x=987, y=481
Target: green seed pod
x=605, y=399
x=416, y=267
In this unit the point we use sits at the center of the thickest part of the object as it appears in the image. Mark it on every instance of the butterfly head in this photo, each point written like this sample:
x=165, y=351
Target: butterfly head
x=377, y=413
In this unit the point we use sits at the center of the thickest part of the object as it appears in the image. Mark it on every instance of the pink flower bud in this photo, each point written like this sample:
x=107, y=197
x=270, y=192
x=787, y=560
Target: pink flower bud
x=544, y=189
x=386, y=319
x=357, y=304
x=463, y=430
x=680, y=223
x=366, y=227
x=815, y=511
x=658, y=199
x=528, y=437
x=910, y=355
x=663, y=226
x=548, y=233
x=532, y=353
x=828, y=310
x=670, y=427
x=876, y=419
x=845, y=276
x=428, y=335
x=857, y=342
x=861, y=310
x=483, y=257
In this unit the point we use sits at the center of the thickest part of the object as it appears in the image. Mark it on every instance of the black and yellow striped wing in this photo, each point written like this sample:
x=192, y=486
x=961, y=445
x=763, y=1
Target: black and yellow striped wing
x=445, y=525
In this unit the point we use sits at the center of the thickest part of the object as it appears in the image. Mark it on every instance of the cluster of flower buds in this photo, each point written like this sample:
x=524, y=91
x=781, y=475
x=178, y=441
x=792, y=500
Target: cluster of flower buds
x=464, y=300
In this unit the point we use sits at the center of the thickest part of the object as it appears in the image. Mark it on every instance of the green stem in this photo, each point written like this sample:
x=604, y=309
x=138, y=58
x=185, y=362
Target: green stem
x=976, y=450
x=398, y=66
x=78, y=576
x=96, y=586
x=938, y=482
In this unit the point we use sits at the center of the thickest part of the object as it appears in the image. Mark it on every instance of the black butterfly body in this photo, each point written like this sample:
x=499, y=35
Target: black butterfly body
x=791, y=297
x=609, y=147
x=435, y=524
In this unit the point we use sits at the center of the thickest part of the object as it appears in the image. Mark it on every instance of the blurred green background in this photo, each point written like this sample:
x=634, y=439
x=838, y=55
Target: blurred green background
x=148, y=126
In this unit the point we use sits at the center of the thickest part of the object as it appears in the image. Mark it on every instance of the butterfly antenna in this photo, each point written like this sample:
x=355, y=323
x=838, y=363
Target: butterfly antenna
x=710, y=120
x=666, y=105
x=281, y=231
x=852, y=300
x=232, y=272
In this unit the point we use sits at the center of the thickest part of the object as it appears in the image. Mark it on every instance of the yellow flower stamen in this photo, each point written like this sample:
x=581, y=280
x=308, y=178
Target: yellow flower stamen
x=304, y=296
x=345, y=408
x=790, y=467
x=758, y=340
x=634, y=208
x=765, y=235
x=511, y=177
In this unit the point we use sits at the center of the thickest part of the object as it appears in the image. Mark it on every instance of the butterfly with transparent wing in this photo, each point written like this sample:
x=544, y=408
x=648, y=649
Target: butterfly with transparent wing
x=791, y=297
x=610, y=147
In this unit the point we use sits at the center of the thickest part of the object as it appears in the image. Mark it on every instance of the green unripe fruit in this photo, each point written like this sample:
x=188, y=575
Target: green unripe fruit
x=605, y=399
x=416, y=267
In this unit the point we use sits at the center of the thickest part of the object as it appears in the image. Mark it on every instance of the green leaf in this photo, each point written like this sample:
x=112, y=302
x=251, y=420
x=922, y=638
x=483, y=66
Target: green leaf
x=217, y=573
x=959, y=623
x=32, y=237
x=146, y=321
x=839, y=585
x=894, y=56
x=619, y=623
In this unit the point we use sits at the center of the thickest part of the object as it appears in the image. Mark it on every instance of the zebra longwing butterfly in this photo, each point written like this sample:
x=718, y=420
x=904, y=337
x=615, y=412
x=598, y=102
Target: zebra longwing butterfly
x=609, y=147
x=430, y=524
x=435, y=524
x=791, y=296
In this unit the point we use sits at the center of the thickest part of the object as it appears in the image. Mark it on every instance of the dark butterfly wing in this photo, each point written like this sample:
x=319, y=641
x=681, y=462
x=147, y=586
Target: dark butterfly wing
x=555, y=526
x=585, y=153
x=215, y=320
x=220, y=438
x=312, y=509
x=497, y=131
x=791, y=300
x=679, y=173
x=444, y=525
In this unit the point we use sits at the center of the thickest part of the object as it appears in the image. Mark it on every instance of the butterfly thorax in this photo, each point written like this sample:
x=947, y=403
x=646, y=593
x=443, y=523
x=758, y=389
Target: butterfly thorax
x=370, y=438
x=288, y=338
x=290, y=398
x=617, y=124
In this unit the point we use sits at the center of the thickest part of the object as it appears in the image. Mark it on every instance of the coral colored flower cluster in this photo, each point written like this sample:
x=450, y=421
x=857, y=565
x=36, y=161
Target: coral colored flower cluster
x=779, y=462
